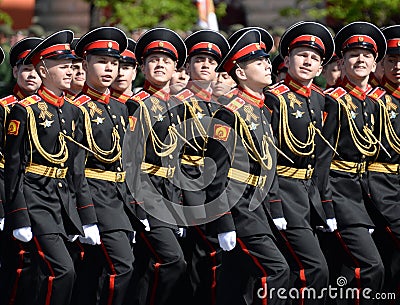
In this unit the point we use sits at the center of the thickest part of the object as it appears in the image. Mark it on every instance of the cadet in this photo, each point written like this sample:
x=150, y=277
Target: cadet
x=45, y=185
x=121, y=88
x=296, y=121
x=348, y=128
x=78, y=74
x=384, y=171
x=106, y=120
x=239, y=144
x=148, y=150
x=16, y=281
x=206, y=48
x=279, y=70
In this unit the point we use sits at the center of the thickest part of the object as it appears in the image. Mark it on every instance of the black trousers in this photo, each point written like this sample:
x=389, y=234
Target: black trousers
x=106, y=270
x=17, y=274
x=362, y=267
x=307, y=264
x=165, y=270
x=56, y=270
x=253, y=266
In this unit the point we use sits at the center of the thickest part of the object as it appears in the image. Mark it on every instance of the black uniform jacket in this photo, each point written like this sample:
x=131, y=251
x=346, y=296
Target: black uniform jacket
x=45, y=186
x=240, y=165
x=106, y=120
x=296, y=118
x=149, y=157
x=350, y=119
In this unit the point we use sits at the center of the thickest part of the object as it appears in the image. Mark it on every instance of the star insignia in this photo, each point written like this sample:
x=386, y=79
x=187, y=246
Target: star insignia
x=298, y=114
x=393, y=114
x=200, y=115
x=159, y=117
x=253, y=126
x=46, y=123
x=98, y=120
x=353, y=114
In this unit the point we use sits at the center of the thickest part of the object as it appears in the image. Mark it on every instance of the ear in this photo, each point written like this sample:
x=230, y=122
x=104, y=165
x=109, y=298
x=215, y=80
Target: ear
x=240, y=74
x=85, y=65
x=15, y=72
x=319, y=71
x=373, y=67
x=41, y=70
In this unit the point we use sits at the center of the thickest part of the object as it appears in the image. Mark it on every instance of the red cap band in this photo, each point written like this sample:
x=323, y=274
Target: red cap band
x=393, y=43
x=128, y=53
x=206, y=46
x=23, y=54
x=360, y=41
x=102, y=44
x=48, y=52
x=160, y=45
x=307, y=40
x=230, y=63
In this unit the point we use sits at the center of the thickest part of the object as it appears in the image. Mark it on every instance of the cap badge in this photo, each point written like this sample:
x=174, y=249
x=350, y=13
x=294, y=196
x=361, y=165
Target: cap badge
x=360, y=39
x=209, y=46
x=258, y=46
x=67, y=47
x=161, y=44
x=109, y=44
x=312, y=38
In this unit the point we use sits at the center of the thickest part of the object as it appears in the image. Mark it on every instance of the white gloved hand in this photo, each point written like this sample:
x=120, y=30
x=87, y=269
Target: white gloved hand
x=132, y=237
x=332, y=224
x=146, y=224
x=1, y=224
x=371, y=230
x=23, y=234
x=181, y=232
x=227, y=240
x=280, y=223
x=92, y=235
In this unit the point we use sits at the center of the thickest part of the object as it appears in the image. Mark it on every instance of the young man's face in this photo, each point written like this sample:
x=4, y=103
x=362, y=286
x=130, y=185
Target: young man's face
x=27, y=78
x=358, y=63
x=223, y=84
x=303, y=64
x=331, y=72
x=391, y=67
x=179, y=80
x=158, y=69
x=101, y=71
x=56, y=74
x=78, y=75
x=202, y=68
x=125, y=77
x=257, y=73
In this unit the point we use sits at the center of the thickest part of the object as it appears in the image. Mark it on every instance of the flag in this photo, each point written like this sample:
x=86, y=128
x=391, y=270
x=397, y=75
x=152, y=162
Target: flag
x=207, y=17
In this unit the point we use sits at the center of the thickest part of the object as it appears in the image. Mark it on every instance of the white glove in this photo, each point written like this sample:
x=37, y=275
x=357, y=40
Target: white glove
x=132, y=237
x=23, y=234
x=146, y=224
x=332, y=224
x=371, y=231
x=92, y=235
x=227, y=240
x=181, y=232
x=280, y=223
x=1, y=224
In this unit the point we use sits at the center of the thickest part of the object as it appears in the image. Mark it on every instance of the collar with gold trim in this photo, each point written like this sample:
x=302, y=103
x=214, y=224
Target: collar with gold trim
x=17, y=91
x=296, y=87
x=156, y=92
x=355, y=91
x=391, y=88
x=121, y=97
x=50, y=97
x=96, y=95
x=201, y=93
x=249, y=98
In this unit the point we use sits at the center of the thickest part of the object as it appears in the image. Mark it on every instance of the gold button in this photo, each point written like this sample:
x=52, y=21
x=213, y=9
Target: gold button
x=62, y=164
x=119, y=177
x=60, y=185
x=312, y=111
x=118, y=169
x=60, y=110
x=64, y=131
x=59, y=173
x=116, y=126
x=312, y=156
x=314, y=122
x=171, y=157
x=62, y=120
x=114, y=116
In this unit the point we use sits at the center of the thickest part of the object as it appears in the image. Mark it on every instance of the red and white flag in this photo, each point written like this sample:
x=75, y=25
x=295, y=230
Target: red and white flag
x=207, y=17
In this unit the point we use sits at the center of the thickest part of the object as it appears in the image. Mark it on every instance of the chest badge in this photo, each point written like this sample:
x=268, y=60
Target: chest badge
x=293, y=100
x=159, y=117
x=353, y=114
x=298, y=114
x=43, y=111
x=98, y=120
x=253, y=126
x=47, y=123
x=94, y=109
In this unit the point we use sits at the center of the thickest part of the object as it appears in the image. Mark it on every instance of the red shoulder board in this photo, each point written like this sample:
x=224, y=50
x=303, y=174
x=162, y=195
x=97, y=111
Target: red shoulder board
x=377, y=93
x=185, y=94
x=231, y=93
x=338, y=93
x=9, y=100
x=30, y=100
x=140, y=96
x=317, y=89
x=278, y=90
x=235, y=104
x=81, y=100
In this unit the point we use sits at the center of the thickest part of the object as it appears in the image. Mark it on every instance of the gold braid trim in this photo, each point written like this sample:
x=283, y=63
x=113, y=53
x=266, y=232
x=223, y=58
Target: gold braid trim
x=391, y=136
x=292, y=142
x=164, y=149
x=100, y=153
x=58, y=158
x=368, y=149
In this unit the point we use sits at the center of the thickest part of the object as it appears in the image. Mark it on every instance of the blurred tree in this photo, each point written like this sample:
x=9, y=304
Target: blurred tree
x=133, y=14
x=341, y=12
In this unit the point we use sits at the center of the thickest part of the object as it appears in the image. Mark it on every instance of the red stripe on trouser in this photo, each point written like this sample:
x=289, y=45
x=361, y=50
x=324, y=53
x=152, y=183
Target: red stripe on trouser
x=112, y=275
x=357, y=269
x=213, y=259
x=82, y=250
x=156, y=268
x=393, y=236
x=51, y=277
x=21, y=254
x=257, y=263
x=302, y=273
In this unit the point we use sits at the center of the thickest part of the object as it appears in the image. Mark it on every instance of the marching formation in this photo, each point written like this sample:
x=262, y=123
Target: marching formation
x=225, y=179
